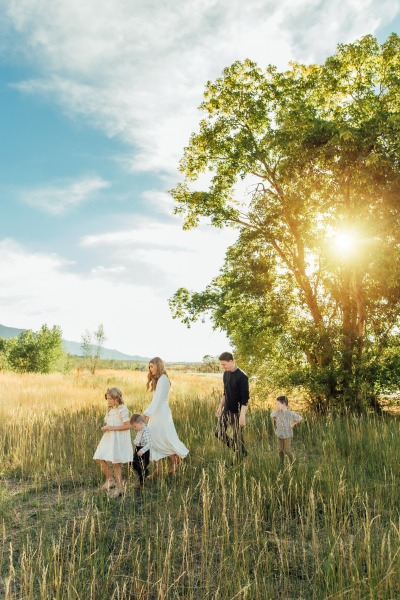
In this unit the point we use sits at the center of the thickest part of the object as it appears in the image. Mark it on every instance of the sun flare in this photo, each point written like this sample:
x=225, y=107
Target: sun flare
x=344, y=242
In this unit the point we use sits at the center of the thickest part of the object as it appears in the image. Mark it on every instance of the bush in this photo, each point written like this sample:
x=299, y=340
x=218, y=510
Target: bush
x=39, y=352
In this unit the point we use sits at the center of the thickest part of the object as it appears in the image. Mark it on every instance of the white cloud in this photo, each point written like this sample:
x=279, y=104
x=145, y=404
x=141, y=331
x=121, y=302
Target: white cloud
x=58, y=199
x=137, y=69
x=37, y=289
x=163, y=255
x=158, y=202
x=100, y=270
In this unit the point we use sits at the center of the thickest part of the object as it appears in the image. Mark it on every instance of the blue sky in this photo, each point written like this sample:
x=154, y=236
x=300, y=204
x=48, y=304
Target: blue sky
x=98, y=100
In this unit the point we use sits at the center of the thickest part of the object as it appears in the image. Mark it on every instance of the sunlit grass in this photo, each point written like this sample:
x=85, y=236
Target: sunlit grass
x=328, y=527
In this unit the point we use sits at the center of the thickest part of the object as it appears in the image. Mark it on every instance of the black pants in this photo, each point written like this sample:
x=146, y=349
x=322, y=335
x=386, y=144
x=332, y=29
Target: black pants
x=141, y=464
x=236, y=441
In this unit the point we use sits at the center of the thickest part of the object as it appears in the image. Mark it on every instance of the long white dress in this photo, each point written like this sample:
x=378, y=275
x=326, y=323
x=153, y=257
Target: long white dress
x=165, y=440
x=116, y=446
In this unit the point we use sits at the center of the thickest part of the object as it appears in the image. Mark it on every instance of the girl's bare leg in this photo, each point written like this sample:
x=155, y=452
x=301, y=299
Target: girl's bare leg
x=118, y=479
x=175, y=460
x=107, y=473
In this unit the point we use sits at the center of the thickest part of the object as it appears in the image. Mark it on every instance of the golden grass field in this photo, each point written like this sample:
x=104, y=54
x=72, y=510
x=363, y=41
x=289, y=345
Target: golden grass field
x=326, y=528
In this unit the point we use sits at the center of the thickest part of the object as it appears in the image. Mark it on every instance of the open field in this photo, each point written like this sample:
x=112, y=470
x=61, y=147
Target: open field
x=326, y=528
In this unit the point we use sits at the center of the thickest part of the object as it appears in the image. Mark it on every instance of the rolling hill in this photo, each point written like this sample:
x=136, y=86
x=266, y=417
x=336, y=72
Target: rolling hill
x=75, y=347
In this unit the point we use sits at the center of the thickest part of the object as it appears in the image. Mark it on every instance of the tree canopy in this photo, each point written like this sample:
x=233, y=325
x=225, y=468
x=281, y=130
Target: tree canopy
x=306, y=165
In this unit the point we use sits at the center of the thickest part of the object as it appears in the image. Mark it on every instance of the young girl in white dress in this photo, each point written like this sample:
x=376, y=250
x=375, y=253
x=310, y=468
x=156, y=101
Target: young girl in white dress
x=165, y=440
x=116, y=445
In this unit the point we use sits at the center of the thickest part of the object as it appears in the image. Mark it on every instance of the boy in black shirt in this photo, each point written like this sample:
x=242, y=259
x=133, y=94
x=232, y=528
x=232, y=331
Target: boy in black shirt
x=233, y=406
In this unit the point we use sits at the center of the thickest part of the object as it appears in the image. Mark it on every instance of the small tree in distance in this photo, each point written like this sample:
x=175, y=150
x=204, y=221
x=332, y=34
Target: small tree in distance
x=210, y=364
x=92, y=345
x=37, y=352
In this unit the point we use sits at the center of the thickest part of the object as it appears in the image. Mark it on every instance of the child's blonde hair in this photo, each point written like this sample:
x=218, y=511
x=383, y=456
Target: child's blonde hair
x=115, y=394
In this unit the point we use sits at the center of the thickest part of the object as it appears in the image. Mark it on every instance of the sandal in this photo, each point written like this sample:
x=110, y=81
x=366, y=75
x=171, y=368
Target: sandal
x=116, y=493
x=108, y=485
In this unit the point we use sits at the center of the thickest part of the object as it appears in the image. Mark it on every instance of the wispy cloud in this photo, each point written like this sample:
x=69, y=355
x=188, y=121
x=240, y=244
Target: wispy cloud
x=100, y=270
x=59, y=198
x=160, y=254
x=137, y=69
x=158, y=202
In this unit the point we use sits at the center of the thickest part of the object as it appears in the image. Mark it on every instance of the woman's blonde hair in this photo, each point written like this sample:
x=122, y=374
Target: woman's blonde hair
x=152, y=379
x=115, y=394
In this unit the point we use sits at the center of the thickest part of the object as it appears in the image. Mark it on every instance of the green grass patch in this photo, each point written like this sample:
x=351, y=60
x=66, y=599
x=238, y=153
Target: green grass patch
x=326, y=527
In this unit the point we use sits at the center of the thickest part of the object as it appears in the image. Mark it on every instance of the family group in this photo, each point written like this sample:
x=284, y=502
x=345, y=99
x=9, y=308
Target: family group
x=156, y=437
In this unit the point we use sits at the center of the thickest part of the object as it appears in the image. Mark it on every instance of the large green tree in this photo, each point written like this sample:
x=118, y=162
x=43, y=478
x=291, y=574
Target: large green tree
x=306, y=165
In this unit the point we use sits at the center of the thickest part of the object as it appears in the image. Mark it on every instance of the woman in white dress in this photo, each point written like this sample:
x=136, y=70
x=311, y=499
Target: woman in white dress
x=165, y=440
x=116, y=445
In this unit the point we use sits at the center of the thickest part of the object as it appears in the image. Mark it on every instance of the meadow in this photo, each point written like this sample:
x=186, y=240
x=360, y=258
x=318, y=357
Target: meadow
x=327, y=527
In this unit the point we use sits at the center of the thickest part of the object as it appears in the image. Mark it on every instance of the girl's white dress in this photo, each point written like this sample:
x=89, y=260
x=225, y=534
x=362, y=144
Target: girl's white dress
x=165, y=440
x=116, y=446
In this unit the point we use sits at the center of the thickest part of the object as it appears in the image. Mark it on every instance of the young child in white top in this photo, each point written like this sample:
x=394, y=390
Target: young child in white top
x=115, y=446
x=285, y=420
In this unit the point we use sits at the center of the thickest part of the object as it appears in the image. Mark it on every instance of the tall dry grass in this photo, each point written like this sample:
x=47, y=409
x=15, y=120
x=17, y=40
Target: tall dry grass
x=327, y=527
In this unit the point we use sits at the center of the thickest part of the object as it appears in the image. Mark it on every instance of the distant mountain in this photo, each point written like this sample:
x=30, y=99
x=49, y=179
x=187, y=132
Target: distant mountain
x=9, y=332
x=75, y=347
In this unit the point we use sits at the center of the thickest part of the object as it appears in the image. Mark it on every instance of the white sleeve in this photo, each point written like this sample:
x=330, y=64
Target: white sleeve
x=160, y=395
x=123, y=413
